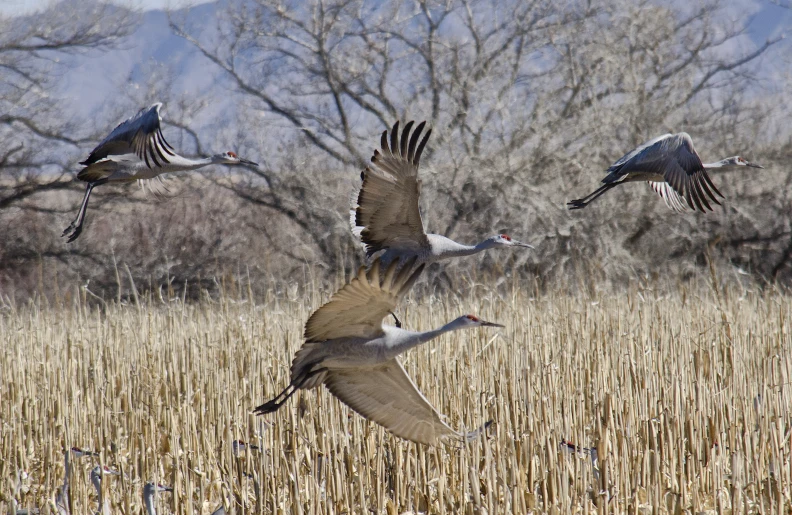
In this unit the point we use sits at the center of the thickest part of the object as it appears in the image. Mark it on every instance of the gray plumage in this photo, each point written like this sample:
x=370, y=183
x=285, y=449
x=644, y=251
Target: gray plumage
x=136, y=150
x=150, y=491
x=673, y=169
x=385, y=214
x=348, y=349
x=96, y=479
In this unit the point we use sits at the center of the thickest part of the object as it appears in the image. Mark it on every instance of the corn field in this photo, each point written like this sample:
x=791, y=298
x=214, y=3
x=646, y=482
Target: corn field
x=683, y=391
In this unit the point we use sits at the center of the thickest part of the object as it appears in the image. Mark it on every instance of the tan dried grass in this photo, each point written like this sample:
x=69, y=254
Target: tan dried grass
x=684, y=417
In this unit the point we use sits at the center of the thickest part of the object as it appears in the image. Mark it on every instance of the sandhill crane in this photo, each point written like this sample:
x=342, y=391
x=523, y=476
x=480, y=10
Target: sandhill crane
x=672, y=167
x=385, y=213
x=96, y=479
x=591, y=452
x=136, y=149
x=62, y=501
x=150, y=491
x=349, y=350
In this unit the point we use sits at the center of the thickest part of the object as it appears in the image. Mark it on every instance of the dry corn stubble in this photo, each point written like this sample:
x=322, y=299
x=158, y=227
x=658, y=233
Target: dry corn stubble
x=682, y=416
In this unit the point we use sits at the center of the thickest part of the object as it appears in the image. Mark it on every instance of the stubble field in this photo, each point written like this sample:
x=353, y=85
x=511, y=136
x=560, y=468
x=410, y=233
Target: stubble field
x=684, y=392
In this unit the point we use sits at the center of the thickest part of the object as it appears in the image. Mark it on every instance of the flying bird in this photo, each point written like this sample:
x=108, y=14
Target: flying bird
x=385, y=214
x=137, y=150
x=673, y=169
x=348, y=349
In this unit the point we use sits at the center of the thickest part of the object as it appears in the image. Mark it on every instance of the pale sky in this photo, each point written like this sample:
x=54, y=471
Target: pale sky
x=17, y=7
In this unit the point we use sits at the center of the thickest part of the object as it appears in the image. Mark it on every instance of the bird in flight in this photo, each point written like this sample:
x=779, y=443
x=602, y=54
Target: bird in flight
x=385, y=214
x=673, y=169
x=348, y=349
x=136, y=150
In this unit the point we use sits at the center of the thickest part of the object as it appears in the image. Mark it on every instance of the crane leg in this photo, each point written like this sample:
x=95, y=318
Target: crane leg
x=273, y=405
x=75, y=228
x=398, y=322
x=588, y=199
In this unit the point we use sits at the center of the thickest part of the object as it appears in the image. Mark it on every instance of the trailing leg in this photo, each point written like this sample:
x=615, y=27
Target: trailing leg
x=75, y=228
x=297, y=383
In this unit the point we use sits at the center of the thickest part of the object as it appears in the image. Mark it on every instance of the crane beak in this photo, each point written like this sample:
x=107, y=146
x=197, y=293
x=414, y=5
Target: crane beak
x=754, y=165
x=490, y=324
x=521, y=244
x=246, y=162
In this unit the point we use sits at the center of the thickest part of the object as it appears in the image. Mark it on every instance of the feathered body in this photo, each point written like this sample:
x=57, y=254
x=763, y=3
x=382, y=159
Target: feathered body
x=136, y=150
x=385, y=212
x=349, y=350
x=673, y=169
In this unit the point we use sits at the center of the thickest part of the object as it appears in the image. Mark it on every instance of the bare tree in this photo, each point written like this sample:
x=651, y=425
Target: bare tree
x=524, y=97
x=40, y=145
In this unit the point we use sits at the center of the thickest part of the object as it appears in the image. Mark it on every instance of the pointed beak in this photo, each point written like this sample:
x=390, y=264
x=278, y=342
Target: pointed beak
x=164, y=488
x=754, y=165
x=521, y=244
x=246, y=162
x=490, y=324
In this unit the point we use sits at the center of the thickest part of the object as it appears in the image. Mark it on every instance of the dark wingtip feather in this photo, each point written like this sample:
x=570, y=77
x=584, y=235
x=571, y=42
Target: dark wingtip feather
x=421, y=147
x=384, y=142
x=405, y=138
x=395, y=137
x=414, y=141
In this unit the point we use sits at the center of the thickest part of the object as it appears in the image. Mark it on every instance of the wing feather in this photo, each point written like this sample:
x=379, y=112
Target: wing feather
x=357, y=309
x=140, y=135
x=386, y=395
x=669, y=195
x=387, y=205
x=673, y=159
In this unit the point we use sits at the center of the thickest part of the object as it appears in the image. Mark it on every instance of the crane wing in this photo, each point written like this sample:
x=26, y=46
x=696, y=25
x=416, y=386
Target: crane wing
x=686, y=174
x=386, y=395
x=671, y=197
x=632, y=160
x=357, y=309
x=387, y=208
x=672, y=158
x=140, y=135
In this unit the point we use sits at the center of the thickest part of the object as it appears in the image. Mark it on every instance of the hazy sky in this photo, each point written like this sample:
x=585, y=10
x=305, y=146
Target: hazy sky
x=16, y=7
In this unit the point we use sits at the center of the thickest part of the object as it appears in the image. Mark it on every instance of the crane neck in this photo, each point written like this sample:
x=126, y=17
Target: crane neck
x=186, y=163
x=723, y=163
x=445, y=247
x=96, y=479
x=149, y=501
x=406, y=340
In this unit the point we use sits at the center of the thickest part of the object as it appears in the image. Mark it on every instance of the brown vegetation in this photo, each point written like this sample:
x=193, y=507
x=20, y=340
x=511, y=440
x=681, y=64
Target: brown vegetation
x=684, y=393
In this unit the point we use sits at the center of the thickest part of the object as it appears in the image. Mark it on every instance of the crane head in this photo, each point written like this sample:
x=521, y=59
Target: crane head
x=474, y=321
x=504, y=240
x=230, y=158
x=739, y=161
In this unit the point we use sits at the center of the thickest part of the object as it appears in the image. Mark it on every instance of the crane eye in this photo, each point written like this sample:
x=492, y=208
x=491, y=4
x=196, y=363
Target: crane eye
x=232, y=154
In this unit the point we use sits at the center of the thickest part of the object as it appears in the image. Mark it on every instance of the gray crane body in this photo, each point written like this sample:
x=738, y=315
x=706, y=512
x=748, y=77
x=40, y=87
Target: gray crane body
x=673, y=169
x=136, y=150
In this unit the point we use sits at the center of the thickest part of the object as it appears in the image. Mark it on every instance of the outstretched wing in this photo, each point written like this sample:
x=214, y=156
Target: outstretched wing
x=140, y=135
x=357, y=309
x=686, y=174
x=386, y=395
x=672, y=158
x=387, y=206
